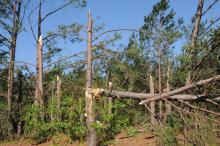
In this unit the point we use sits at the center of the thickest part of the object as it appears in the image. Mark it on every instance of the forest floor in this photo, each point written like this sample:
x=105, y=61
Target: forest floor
x=140, y=139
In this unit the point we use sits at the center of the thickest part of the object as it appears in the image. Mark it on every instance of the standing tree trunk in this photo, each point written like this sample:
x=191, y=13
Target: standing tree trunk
x=19, y=103
x=110, y=98
x=58, y=98
x=52, y=102
x=16, y=23
x=91, y=137
x=168, y=106
x=193, y=40
x=39, y=68
x=160, y=84
x=152, y=104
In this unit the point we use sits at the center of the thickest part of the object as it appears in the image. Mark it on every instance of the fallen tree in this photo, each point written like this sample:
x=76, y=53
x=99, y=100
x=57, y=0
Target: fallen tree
x=143, y=96
x=180, y=90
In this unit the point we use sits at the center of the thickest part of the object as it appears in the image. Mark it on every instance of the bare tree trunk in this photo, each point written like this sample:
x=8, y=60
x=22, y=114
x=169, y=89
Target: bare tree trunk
x=39, y=69
x=19, y=103
x=59, y=97
x=91, y=137
x=152, y=104
x=52, y=102
x=110, y=98
x=159, y=84
x=194, y=36
x=16, y=23
x=168, y=106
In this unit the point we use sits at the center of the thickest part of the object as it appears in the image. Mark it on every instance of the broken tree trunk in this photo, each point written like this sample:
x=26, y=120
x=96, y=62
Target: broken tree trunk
x=193, y=39
x=141, y=96
x=152, y=104
x=180, y=90
x=58, y=93
x=110, y=98
x=91, y=137
x=39, y=68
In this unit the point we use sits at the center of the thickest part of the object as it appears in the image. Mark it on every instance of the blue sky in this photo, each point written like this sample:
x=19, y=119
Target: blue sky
x=113, y=13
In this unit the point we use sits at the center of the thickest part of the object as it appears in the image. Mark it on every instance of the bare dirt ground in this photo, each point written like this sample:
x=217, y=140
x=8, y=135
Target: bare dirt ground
x=140, y=139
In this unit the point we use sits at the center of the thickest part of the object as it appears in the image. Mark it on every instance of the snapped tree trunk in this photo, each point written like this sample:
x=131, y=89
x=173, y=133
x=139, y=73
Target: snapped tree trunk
x=194, y=36
x=58, y=98
x=110, y=98
x=91, y=136
x=152, y=104
x=16, y=23
x=39, y=67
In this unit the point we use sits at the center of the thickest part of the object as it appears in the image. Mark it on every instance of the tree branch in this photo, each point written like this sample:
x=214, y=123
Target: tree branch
x=180, y=90
x=210, y=6
x=54, y=11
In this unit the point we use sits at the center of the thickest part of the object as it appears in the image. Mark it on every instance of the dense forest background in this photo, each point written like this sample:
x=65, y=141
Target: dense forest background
x=110, y=87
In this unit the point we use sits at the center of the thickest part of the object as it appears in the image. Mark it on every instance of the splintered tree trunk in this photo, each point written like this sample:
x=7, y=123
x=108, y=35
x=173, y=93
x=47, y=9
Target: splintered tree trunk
x=168, y=106
x=16, y=21
x=91, y=137
x=39, y=69
x=58, y=97
x=152, y=104
x=194, y=36
x=110, y=98
x=19, y=102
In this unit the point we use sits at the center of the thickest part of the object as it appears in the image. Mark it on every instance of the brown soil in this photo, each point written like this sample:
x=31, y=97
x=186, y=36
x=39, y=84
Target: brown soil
x=140, y=139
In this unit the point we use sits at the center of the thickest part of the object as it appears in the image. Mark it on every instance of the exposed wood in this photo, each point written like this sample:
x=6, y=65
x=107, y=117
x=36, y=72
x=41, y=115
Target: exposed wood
x=91, y=136
x=58, y=93
x=110, y=98
x=182, y=89
x=141, y=96
x=39, y=68
x=197, y=23
x=193, y=39
x=152, y=104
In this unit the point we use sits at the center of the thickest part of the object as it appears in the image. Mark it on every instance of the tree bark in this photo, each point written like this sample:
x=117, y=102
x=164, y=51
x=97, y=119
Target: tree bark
x=180, y=90
x=168, y=106
x=142, y=96
x=16, y=23
x=110, y=99
x=39, y=67
x=160, y=85
x=193, y=40
x=152, y=104
x=58, y=97
x=91, y=136
x=19, y=103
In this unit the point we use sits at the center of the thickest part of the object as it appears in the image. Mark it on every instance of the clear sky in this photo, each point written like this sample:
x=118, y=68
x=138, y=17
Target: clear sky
x=113, y=13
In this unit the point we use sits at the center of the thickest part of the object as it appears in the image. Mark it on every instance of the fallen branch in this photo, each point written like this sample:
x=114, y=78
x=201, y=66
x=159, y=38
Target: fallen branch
x=198, y=108
x=133, y=95
x=180, y=90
